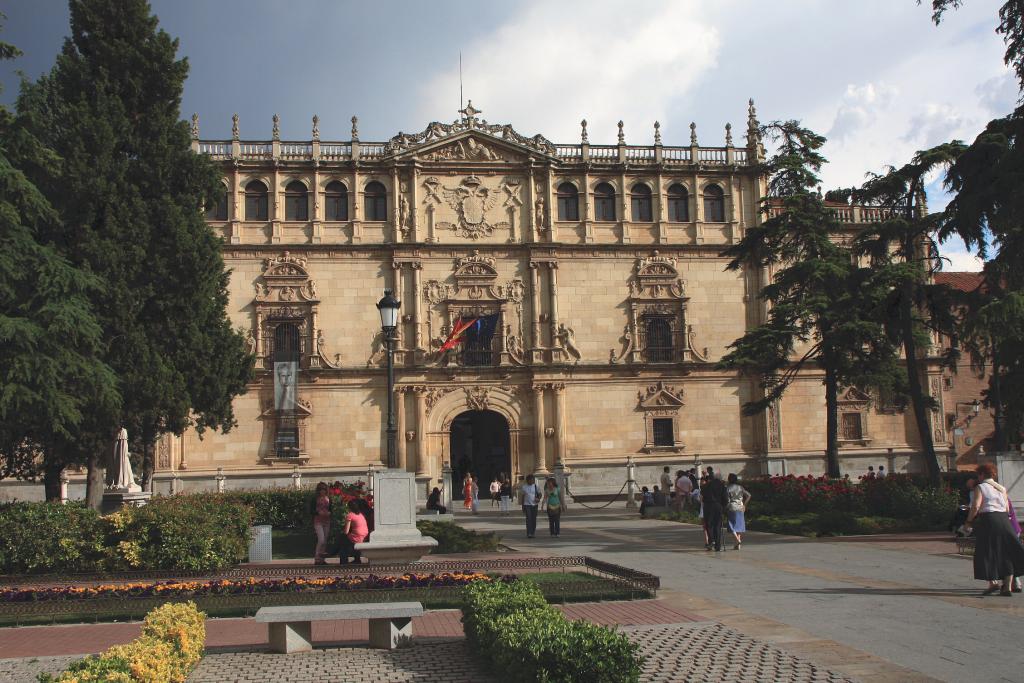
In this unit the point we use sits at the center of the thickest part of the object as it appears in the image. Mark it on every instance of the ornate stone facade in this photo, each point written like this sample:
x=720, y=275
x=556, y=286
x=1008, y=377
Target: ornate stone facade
x=601, y=262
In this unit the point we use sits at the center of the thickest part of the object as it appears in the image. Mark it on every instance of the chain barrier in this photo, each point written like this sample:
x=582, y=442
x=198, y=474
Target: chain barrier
x=601, y=507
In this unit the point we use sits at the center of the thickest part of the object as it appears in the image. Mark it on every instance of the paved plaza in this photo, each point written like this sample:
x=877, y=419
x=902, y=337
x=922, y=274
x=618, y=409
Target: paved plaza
x=872, y=609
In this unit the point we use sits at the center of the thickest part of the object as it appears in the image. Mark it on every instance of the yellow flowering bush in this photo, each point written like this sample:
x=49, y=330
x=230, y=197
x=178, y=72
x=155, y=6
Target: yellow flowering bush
x=170, y=646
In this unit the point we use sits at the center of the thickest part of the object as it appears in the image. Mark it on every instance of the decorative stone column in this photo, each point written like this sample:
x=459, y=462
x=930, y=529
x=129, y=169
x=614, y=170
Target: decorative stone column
x=557, y=352
x=420, y=394
x=540, y=458
x=559, y=388
x=538, y=341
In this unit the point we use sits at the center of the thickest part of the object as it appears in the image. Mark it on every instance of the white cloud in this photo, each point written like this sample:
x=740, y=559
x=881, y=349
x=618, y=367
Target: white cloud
x=861, y=106
x=998, y=95
x=956, y=258
x=933, y=124
x=555, y=63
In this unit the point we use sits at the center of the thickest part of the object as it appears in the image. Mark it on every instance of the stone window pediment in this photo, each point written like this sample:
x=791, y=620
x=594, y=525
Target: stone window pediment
x=660, y=405
x=853, y=406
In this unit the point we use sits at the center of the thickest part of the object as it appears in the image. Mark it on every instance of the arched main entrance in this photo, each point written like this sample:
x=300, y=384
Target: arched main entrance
x=479, y=445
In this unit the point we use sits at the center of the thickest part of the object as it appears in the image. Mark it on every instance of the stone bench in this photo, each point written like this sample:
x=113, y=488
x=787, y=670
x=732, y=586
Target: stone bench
x=291, y=628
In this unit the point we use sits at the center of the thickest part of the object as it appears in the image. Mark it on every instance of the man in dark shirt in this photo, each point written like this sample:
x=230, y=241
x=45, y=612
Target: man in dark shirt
x=714, y=498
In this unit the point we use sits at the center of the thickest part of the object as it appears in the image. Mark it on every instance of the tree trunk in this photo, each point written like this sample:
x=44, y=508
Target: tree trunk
x=51, y=478
x=831, y=425
x=917, y=396
x=148, y=464
x=95, y=480
x=999, y=440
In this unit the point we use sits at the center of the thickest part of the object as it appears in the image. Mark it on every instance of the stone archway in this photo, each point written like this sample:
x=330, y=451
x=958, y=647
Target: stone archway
x=480, y=444
x=446, y=404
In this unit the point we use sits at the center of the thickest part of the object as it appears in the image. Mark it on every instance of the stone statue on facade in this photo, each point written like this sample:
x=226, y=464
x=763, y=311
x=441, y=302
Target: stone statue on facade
x=567, y=338
x=250, y=343
x=541, y=214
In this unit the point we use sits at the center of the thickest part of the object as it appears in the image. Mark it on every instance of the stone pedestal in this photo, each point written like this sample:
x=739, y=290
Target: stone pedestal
x=115, y=499
x=395, y=537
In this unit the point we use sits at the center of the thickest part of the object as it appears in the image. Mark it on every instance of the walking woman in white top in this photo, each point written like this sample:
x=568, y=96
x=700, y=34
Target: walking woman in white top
x=998, y=553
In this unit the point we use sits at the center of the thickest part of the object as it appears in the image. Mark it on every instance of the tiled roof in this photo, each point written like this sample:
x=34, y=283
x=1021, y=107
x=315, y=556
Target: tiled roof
x=964, y=281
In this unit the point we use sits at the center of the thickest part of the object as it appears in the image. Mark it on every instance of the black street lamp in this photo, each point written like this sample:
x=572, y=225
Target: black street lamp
x=388, y=307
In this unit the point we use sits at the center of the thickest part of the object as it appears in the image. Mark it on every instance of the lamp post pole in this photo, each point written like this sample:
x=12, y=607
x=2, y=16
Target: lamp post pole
x=392, y=431
x=388, y=307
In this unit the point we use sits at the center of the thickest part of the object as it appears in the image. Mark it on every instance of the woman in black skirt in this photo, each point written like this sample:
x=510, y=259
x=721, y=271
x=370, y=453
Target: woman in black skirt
x=998, y=553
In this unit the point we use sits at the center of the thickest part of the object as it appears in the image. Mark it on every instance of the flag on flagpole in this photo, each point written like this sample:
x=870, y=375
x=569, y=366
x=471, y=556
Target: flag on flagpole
x=457, y=335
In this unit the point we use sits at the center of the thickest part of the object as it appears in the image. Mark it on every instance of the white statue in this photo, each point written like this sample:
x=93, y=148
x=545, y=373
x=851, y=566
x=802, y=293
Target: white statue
x=119, y=473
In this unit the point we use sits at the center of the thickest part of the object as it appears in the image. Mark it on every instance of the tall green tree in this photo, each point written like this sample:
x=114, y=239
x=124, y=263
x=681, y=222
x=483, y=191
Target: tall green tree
x=987, y=212
x=130, y=194
x=904, y=253
x=50, y=376
x=816, y=295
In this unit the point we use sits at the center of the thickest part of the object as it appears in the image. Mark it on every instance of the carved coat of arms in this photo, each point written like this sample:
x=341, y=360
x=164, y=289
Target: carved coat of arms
x=471, y=201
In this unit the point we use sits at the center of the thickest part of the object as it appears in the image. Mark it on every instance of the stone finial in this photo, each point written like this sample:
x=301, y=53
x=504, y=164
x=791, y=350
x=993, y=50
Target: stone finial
x=583, y=135
x=277, y=127
x=355, y=129
x=622, y=136
x=195, y=126
x=693, y=133
x=728, y=135
x=316, y=128
x=234, y=126
x=753, y=125
x=657, y=133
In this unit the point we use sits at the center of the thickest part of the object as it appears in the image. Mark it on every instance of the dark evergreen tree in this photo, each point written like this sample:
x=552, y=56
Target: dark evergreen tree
x=817, y=294
x=50, y=376
x=987, y=212
x=130, y=195
x=904, y=254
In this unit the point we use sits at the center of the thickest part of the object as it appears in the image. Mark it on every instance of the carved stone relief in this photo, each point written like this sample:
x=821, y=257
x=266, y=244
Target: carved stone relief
x=477, y=398
x=471, y=200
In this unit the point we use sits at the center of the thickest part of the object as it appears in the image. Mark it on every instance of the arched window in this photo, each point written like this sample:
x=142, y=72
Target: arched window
x=604, y=202
x=657, y=340
x=376, y=202
x=336, y=196
x=287, y=345
x=568, y=202
x=255, y=201
x=218, y=210
x=678, y=204
x=296, y=204
x=640, y=198
x=714, y=204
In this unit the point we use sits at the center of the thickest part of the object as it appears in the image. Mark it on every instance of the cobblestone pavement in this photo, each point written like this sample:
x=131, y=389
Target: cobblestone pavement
x=436, y=662
x=28, y=668
x=693, y=652
x=714, y=653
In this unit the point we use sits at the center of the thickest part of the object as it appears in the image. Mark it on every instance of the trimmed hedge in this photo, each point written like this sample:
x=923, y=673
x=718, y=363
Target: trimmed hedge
x=200, y=532
x=451, y=538
x=170, y=646
x=194, y=532
x=41, y=537
x=522, y=638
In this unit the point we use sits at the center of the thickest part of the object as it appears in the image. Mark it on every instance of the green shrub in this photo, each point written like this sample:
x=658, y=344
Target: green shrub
x=170, y=646
x=451, y=538
x=49, y=537
x=289, y=508
x=525, y=639
x=200, y=532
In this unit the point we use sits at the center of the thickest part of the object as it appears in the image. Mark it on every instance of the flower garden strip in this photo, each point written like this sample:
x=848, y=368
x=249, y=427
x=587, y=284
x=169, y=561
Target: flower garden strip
x=250, y=586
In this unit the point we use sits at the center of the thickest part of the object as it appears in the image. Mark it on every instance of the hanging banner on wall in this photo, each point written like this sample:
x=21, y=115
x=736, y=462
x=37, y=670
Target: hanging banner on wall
x=286, y=376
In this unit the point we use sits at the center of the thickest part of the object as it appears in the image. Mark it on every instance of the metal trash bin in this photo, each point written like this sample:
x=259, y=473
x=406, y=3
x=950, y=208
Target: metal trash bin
x=260, y=543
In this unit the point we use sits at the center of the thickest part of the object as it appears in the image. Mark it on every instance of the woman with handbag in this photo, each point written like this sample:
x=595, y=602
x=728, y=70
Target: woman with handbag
x=998, y=553
x=737, y=498
x=555, y=506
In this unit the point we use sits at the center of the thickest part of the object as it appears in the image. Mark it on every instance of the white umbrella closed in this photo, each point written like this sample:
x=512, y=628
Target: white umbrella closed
x=120, y=476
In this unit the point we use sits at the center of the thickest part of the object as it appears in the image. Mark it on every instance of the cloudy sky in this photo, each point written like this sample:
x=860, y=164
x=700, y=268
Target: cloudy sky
x=875, y=76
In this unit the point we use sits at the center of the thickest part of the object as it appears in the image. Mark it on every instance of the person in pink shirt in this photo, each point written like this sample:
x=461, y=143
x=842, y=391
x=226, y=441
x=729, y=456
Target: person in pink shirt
x=355, y=531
